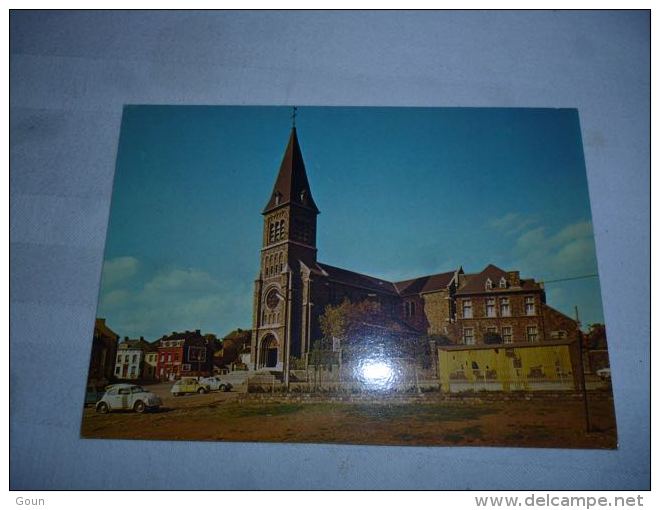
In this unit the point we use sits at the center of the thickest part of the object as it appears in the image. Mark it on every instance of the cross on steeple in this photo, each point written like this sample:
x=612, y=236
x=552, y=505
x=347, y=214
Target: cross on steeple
x=293, y=116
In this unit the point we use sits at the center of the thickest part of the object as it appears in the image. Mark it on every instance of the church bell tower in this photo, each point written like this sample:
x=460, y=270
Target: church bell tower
x=289, y=239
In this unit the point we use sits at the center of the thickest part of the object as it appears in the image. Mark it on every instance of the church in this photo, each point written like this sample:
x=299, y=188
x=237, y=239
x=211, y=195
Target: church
x=293, y=288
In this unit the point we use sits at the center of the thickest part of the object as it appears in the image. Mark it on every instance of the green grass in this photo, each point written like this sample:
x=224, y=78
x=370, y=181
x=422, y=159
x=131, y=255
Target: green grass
x=473, y=432
x=424, y=412
x=365, y=412
x=266, y=410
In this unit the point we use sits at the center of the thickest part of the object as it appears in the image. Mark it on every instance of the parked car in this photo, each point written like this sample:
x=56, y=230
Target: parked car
x=216, y=383
x=92, y=396
x=189, y=385
x=604, y=373
x=127, y=396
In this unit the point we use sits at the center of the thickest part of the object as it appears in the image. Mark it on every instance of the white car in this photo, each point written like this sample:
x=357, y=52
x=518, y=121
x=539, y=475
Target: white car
x=216, y=383
x=604, y=373
x=127, y=396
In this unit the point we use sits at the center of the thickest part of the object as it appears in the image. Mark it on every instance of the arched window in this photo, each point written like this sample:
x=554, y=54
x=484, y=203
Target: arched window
x=271, y=232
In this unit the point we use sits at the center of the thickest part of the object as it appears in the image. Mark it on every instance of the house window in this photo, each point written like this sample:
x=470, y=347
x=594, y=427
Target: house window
x=169, y=357
x=117, y=370
x=529, y=306
x=558, y=335
x=503, y=283
x=134, y=358
x=532, y=334
x=507, y=334
x=409, y=308
x=505, y=308
x=490, y=307
x=468, y=336
x=162, y=358
x=489, y=284
x=467, y=309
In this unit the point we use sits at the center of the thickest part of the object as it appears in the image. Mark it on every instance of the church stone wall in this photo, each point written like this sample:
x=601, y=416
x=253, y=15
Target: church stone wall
x=437, y=309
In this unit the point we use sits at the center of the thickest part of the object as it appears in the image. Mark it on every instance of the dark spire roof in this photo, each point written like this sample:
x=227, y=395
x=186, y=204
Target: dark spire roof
x=291, y=185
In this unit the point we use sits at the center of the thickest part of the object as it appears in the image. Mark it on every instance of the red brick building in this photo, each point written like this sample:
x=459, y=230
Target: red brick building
x=188, y=353
x=496, y=306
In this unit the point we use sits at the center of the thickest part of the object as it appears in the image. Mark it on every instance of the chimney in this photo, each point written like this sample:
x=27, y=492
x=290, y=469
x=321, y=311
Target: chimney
x=198, y=331
x=514, y=278
x=142, y=338
x=125, y=339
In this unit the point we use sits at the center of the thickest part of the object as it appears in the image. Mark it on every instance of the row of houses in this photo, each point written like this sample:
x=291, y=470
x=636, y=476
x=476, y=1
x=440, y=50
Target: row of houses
x=170, y=357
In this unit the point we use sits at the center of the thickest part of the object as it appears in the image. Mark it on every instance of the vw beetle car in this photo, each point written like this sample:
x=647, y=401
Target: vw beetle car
x=216, y=383
x=189, y=385
x=127, y=396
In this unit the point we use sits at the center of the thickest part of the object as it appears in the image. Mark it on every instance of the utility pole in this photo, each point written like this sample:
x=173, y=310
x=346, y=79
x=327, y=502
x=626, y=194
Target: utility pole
x=587, y=417
x=287, y=347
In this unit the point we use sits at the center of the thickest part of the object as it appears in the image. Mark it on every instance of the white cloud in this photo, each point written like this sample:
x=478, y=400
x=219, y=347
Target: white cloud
x=119, y=269
x=180, y=280
x=566, y=253
x=511, y=223
x=173, y=300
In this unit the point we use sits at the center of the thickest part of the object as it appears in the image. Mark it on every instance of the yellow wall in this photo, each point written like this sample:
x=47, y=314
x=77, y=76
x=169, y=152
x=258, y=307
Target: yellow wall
x=501, y=359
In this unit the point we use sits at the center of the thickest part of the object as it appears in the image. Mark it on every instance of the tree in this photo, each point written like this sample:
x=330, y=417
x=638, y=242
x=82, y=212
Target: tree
x=492, y=338
x=233, y=344
x=366, y=329
x=596, y=337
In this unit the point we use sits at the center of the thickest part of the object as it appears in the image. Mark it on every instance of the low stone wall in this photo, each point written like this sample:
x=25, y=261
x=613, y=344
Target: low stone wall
x=423, y=398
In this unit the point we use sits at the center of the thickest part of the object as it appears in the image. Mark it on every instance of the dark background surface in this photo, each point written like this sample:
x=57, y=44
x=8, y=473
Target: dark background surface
x=71, y=73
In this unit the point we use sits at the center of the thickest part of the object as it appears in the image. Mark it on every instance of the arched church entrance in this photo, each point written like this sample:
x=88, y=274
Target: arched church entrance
x=268, y=351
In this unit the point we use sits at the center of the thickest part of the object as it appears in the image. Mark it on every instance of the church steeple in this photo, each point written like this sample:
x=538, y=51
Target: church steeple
x=291, y=185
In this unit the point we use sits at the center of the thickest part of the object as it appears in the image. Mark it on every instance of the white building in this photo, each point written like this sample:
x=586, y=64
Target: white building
x=130, y=358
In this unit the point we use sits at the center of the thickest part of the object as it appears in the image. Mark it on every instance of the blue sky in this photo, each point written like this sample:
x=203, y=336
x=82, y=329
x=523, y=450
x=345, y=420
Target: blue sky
x=403, y=192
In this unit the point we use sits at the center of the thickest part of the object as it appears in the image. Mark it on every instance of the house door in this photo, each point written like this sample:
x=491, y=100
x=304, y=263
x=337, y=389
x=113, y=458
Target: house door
x=269, y=347
x=271, y=357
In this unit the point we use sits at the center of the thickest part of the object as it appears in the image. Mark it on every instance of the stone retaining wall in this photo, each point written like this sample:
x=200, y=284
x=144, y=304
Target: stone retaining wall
x=423, y=398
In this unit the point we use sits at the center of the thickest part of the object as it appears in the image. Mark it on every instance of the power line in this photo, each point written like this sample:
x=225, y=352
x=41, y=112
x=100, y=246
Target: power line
x=595, y=275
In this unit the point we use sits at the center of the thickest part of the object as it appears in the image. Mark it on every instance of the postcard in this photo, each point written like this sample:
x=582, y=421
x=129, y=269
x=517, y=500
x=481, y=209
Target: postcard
x=385, y=276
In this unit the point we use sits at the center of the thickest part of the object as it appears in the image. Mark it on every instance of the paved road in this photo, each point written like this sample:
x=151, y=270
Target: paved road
x=191, y=400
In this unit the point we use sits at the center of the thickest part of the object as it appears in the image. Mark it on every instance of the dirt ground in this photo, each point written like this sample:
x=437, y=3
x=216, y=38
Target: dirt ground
x=220, y=417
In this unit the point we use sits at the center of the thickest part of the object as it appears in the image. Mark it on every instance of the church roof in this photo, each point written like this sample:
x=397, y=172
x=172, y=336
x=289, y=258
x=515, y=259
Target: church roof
x=291, y=185
x=422, y=284
x=357, y=280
